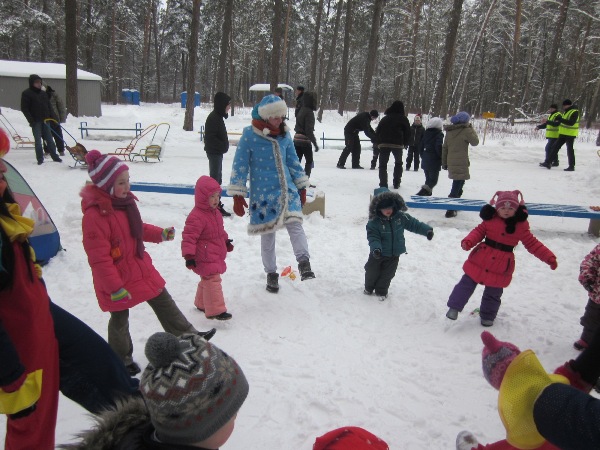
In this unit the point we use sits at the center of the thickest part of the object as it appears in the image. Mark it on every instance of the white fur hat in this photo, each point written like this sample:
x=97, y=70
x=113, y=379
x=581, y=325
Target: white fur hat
x=272, y=106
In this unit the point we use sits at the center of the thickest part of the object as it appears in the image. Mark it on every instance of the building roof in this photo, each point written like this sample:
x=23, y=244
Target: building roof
x=22, y=69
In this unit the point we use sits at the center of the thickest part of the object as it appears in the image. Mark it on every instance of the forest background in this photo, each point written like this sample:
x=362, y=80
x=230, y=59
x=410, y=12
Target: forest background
x=512, y=58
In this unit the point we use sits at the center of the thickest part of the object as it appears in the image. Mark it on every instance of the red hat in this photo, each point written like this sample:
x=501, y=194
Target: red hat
x=349, y=438
x=496, y=357
x=507, y=199
x=4, y=142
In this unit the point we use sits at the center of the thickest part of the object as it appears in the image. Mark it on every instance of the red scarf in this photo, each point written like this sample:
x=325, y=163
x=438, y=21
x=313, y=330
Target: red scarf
x=261, y=125
x=129, y=205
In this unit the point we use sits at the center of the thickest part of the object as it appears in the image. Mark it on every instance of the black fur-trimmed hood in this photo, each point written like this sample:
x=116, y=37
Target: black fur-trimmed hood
x=392, y=199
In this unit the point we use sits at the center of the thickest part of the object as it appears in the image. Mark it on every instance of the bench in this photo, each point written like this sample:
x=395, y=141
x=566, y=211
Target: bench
x=317, y=203
x=83, y=126
x=534, y=209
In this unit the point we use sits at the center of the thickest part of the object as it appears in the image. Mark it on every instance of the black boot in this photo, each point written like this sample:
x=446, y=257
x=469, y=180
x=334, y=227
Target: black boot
x=273, y=282
x=425, y=191
x=133, y=369
x=305, y=271
x=206, y=335
x=222, y=210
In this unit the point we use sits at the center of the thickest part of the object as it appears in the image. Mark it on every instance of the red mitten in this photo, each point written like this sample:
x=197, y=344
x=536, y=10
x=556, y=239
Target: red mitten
x=466, y=245
x=302, y=193
x=229, y=245
x=239, y=203
x=566, y=370
x=552, y=262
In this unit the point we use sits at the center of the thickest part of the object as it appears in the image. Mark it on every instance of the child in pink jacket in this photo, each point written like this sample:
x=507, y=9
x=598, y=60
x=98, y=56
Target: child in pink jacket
x=204, y=246
x=589, y=277
x=123, y=273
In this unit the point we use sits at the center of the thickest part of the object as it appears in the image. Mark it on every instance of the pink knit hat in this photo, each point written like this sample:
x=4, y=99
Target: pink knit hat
x=496, y=356
x=507, y=199
x=104, y=169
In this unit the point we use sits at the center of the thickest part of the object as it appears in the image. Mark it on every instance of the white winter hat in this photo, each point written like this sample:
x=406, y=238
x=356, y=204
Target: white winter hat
x=435, y=122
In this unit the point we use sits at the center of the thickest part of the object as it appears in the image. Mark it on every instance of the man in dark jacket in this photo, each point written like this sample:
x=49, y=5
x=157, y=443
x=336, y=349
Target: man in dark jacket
x=414, y=143
x=216, y=142
x=35, y=105
x=392, y=136
x=360, y=122
x=299, y=97
x=305, y=131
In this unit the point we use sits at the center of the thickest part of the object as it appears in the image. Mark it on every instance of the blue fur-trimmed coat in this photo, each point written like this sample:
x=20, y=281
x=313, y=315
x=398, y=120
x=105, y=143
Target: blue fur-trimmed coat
x=275, y=175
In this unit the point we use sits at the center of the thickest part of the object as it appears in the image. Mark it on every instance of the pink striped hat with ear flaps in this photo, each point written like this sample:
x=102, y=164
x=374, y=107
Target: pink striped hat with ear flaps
x=104, y=169
x=507, y=199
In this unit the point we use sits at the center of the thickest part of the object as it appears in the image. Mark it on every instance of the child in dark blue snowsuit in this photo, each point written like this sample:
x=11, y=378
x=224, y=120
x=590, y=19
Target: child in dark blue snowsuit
x=385, y=232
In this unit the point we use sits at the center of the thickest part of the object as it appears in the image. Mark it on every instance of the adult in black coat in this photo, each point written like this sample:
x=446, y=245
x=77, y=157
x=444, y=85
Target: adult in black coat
x=360, y=122
x=299, y=97
x=414, y=143
x=216, y=142
x=393, y=134
x=35, y=106
x=305, y=131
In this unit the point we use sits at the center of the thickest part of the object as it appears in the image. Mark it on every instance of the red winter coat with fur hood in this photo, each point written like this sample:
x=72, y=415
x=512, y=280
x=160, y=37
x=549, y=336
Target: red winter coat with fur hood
x=111, y=252
x=204, y=236
x=493, y=267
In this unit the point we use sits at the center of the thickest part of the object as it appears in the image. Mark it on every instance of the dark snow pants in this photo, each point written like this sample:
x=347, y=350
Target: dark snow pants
x=379, y=273
x=352, y=146
x=305, y=150
x=384, y=157
x=490, y=301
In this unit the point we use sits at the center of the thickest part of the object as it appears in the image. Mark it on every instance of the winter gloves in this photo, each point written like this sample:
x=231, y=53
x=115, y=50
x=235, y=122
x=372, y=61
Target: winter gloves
x=552, y=262
x=190, y=263
x=229, y=245
x=466, y=245
x=239, y=203
x=302, y=193
x=121, y=294
x=430, y=235
x=168, y=234
x=377, y=253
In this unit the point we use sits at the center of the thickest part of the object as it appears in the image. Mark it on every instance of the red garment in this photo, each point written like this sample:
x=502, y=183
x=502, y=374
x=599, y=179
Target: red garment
x=25, y=316
x=493, y=267
x=204, y=234
x=349, y=438
x=111, y=252
x=504, y=445
x=589, y=273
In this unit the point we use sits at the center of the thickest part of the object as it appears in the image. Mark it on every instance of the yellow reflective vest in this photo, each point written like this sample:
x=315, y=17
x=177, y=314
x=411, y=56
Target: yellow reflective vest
x=552, y=130
x=569, y=130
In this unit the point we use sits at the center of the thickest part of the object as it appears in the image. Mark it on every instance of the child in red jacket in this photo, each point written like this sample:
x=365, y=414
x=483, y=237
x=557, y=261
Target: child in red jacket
x=492, y=261
x=123, y=273
x=589, y=277
x=204, y=246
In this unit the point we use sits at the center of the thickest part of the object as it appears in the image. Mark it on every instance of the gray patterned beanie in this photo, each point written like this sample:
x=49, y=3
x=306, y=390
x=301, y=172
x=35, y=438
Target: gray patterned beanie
x=191, y=387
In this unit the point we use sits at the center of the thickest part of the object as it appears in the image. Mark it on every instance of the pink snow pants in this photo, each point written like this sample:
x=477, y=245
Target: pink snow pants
x=209, y=296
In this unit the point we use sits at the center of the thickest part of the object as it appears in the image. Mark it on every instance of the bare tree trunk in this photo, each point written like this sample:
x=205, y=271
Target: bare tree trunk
x=276, y=52
x=465, y=69
x=71, y=56
x=416, y=10
x=336, y=27
x=284, y=54
x=315, y=49
x=556, y=39
x=188, y=121
x=145, y=52
x=225, y=33
x=593, y=106
x=113, y=54
x=157, y=51
x=232, y=92
x=344, y=74
x=89, y=37
x=371, y=55
x=44, y=49
x=515, y=62
x=438, y=102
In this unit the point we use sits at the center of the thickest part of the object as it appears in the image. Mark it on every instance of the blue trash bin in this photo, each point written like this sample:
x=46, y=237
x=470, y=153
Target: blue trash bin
x=184, y=99
x=126, y=94
x=135, y=97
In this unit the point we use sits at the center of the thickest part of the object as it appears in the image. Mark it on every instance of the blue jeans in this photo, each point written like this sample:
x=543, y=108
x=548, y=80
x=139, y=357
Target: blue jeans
x=40, y=130
x=457, y=188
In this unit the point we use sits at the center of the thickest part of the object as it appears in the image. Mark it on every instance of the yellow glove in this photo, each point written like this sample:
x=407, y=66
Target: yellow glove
x=23, y=398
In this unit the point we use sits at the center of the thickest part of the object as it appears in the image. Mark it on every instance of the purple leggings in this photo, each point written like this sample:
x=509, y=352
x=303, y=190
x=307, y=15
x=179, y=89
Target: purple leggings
x=490, y=300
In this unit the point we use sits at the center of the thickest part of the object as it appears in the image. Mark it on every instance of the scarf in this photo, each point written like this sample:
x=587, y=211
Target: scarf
x=129, y=205
x=262, y=125
x=17, y=227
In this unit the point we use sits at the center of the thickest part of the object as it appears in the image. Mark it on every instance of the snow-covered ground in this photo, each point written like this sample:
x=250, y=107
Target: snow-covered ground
x=320, y=354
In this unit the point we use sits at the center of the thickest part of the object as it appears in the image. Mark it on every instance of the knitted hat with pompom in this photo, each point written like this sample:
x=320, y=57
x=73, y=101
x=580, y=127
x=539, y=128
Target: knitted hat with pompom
x=496, y=357
x=104, y=169
x=461, y=117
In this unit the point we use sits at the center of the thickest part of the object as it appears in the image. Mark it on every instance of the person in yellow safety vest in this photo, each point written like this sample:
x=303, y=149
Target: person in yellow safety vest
x=551, y=125
x=567, y=132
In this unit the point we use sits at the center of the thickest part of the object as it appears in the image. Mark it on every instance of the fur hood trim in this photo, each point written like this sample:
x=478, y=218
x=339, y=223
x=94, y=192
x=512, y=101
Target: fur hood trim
x=394, y=198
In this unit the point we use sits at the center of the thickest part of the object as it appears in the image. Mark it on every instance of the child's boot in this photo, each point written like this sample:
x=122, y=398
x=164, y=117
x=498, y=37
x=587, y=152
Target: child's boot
x=425, y=191
x=273, y=282
x=305, y=271
x=223, y=316
x=466, y=441
x=487, y=322
x=452, y=314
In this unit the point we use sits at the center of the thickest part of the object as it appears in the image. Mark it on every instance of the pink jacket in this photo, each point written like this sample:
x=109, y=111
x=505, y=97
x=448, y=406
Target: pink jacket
x=589, y=274
x=492, y=267
x=111, y=254
x=204, y=235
